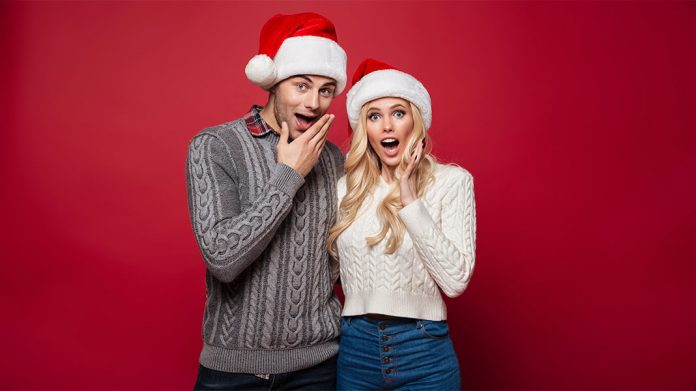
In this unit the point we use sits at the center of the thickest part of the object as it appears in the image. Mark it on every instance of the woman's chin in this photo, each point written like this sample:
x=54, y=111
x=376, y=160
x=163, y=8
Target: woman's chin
x=390, y=162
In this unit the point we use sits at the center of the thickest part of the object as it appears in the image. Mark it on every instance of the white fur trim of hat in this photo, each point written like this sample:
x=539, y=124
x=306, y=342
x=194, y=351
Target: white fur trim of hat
x=388, y=83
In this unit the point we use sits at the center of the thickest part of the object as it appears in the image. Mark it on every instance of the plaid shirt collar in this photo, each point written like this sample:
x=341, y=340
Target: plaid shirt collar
x=257, y=126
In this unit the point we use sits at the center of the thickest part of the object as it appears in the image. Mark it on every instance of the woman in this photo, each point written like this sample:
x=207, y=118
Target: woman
x=406, y=230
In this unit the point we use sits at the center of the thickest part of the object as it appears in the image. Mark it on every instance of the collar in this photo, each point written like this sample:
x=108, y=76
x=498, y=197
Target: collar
x=256, y=125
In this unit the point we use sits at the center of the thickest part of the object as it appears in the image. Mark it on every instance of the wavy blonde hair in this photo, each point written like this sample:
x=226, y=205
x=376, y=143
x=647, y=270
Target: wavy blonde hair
x=363, y=169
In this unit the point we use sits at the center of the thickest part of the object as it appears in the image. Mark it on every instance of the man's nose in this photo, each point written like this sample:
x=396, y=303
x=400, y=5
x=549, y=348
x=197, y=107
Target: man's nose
x=312, y=100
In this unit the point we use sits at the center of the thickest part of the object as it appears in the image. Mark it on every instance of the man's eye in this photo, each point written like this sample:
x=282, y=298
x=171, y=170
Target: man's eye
x=302, y=86
x=326, y=91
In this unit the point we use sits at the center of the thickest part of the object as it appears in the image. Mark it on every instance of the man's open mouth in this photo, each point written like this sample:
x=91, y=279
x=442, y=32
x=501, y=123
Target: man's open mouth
x=305, y=121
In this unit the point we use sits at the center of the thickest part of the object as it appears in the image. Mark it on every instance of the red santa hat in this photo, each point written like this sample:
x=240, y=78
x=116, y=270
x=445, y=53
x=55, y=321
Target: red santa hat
x=374, y=79
x=300, y=44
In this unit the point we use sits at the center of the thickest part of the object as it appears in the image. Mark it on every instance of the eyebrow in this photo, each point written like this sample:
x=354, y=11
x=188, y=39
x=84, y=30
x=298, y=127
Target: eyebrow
x=327, y=84
x=391, y=108
x=306, y=78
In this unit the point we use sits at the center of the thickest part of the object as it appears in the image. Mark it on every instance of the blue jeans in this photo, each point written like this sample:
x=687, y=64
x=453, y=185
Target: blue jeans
x=396, y=354
x=319, y=377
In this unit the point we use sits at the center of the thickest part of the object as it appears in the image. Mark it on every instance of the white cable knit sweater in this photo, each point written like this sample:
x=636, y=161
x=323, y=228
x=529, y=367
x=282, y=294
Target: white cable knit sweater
x=437, y=251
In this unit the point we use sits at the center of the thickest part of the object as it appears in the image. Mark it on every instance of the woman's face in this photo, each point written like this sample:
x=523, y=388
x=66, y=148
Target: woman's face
x=389, y=126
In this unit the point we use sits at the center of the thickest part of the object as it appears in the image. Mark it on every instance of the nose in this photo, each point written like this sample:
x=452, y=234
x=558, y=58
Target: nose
x=387, y=125
x=312, y=100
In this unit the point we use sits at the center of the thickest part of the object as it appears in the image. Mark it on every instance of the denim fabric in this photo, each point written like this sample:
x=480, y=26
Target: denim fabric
x=403, y=354
x=320, y=377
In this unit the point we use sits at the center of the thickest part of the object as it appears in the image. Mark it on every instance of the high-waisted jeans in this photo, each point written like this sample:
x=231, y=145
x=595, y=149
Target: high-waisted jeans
x=396, y=354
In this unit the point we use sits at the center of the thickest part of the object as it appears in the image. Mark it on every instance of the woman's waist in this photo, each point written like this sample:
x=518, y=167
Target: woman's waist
x=385, y=303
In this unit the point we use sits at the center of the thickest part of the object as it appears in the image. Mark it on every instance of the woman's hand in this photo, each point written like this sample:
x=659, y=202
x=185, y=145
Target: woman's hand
x=407, y=182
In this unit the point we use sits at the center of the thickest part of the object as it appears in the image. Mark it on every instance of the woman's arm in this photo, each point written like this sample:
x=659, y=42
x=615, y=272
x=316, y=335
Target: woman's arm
x=448, y=250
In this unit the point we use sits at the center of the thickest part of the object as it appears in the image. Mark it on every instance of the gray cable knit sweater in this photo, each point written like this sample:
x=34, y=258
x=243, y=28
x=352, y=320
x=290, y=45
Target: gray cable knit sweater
x=261, y=228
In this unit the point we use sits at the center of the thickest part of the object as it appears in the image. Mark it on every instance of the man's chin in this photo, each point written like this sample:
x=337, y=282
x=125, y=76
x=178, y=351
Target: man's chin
x=295, y=133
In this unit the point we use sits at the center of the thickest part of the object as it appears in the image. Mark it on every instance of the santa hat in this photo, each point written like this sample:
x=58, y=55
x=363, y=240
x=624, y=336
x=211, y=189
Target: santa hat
x=300, y=44
x=374, y=79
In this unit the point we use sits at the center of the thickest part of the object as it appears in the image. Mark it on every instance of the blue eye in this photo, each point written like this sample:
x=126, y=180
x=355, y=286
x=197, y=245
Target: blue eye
x=326, y=91
x=399, y=114
x=302, y=86
x=373, y=117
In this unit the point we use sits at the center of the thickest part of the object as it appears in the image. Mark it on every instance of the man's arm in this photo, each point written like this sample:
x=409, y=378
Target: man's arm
x=231, y=237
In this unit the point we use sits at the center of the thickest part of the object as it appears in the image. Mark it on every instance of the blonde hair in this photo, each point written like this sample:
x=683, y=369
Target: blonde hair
x=363, y=170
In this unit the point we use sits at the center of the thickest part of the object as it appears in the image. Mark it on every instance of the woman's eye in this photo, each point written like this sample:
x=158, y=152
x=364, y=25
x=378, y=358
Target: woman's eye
x=399, y=114
x=373, y=117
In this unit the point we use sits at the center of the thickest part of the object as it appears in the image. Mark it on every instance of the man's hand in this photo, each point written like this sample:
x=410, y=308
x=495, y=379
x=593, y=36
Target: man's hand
x=302, y=154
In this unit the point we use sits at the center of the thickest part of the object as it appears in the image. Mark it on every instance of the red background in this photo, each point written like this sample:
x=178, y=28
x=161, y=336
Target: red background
x=576, y=120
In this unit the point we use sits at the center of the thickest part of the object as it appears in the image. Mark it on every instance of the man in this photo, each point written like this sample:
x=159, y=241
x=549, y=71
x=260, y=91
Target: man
x=262, y=197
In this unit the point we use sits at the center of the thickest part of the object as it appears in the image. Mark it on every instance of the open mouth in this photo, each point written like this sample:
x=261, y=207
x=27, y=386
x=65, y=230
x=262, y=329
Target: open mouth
x=390, y=145
x=305, y=121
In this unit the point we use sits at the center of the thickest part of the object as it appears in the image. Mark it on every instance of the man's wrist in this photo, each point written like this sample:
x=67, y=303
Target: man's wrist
x=287, y=179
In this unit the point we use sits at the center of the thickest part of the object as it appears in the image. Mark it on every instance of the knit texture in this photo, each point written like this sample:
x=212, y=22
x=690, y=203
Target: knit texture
x=261, y=228
x=437, y=252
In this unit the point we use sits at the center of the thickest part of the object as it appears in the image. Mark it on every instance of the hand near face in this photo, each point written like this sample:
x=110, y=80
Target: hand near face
x=304, y=151
x=407, y=181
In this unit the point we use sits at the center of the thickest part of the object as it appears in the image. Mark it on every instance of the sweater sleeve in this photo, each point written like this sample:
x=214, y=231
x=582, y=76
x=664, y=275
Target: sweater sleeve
x=231, y=236
x=447, y=251
x=335, y=262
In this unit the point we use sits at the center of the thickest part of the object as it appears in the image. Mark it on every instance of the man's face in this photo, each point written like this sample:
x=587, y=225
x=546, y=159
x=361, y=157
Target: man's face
x=302, y=100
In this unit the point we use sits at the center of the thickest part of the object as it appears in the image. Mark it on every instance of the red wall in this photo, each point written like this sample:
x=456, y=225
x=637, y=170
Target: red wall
x=576, y=119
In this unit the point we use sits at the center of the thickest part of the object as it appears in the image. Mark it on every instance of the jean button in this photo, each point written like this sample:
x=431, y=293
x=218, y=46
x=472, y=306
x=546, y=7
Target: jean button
x=386, y=360
x=382, y=326
x=385, y=338
x=388, y=371
x=385, y=348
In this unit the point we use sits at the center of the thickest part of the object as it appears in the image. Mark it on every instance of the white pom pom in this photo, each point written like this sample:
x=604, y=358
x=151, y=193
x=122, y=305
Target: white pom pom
x=261, y=70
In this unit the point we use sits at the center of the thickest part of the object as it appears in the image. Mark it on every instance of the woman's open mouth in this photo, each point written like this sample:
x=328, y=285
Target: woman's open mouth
x=391, y=146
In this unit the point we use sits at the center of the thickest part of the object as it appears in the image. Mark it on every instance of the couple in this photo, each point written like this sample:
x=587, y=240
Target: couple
x=276, y=220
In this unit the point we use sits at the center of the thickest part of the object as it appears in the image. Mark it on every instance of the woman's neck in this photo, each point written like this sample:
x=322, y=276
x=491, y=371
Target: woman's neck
x=388, y=173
